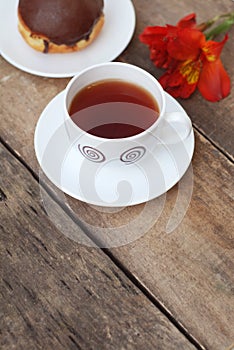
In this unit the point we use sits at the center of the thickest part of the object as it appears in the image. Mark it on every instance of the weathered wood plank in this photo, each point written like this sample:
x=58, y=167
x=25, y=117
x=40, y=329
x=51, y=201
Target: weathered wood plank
x=181, y=284
x=190, y=271
x=56, y=294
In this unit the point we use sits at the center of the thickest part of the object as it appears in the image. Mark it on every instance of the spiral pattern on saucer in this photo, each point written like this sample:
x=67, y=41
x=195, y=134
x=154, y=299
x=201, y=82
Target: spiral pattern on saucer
x=92, y=154
x=133, y=154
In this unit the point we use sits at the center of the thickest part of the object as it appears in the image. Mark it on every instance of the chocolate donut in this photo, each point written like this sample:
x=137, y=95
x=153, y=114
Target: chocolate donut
x=60, y=25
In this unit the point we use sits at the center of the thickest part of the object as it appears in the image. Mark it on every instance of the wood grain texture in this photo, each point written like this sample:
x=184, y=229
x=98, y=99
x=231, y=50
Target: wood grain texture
x=23, y=98
x=190, y=270
x=56, y=294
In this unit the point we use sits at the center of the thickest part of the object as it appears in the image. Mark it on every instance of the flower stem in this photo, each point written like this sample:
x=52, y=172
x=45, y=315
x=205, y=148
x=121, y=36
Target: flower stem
x=223, y=27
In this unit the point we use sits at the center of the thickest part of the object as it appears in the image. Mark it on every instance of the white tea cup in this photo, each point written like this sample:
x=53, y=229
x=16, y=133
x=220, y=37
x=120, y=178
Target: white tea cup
x=167, y=128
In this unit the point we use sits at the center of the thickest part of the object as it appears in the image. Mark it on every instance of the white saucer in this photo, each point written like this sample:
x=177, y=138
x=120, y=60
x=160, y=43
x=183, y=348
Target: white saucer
x=115, y=35
x=112, y=184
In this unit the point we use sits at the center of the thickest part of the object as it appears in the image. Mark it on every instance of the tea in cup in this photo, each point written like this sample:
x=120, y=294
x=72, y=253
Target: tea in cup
x=117, y=111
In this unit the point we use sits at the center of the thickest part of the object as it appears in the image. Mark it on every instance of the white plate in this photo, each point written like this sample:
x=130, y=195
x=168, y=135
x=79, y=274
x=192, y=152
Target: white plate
x=111, y=184
x=114, y=37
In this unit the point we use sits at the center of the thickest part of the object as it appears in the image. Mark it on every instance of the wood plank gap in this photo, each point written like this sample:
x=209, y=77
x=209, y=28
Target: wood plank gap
x=213, y=143
x=158, y=304
x=154, y=301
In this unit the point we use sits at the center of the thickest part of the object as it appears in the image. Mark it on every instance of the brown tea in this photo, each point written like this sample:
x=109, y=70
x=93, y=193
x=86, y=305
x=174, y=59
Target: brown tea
x=114, y=109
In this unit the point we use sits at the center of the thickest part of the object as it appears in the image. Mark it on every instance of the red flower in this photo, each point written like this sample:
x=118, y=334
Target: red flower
x=189, y=59
x=158, y=38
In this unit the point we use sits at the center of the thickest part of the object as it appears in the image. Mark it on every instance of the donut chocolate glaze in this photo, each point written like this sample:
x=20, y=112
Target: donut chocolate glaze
x=60, y=25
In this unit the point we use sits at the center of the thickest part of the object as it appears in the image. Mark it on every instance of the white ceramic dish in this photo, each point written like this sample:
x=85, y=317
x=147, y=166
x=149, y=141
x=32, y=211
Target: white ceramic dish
x=108, y=185
x=113, y=39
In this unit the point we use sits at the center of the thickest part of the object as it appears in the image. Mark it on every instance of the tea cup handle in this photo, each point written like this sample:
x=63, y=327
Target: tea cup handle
x=174, y=127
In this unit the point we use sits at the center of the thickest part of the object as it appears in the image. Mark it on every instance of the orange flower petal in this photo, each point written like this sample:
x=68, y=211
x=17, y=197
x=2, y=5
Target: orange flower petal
x=188, y=21
x=214, y=83
x=176, y=85
x=190, y=70
x=212, y=49
x=153, y=35
x=186, y=45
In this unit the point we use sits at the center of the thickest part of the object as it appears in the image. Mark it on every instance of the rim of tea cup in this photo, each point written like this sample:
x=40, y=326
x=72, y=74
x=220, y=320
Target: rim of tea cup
x=149, y=130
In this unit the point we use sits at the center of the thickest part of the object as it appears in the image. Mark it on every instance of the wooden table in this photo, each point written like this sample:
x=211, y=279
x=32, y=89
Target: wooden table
x=162, y=291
